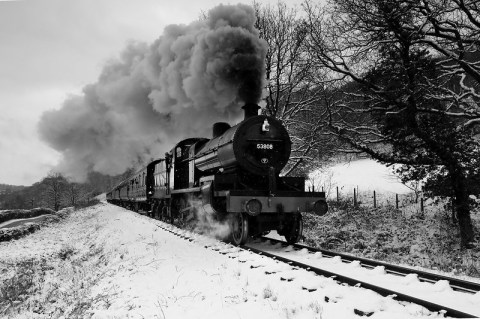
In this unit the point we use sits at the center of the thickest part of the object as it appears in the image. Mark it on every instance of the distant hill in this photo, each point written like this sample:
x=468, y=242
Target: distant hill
x=39, y=194
x=12, y=197
x=7, y=189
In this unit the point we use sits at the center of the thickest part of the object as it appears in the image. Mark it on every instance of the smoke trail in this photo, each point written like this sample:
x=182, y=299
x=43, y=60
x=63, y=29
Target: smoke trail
x=154, y=95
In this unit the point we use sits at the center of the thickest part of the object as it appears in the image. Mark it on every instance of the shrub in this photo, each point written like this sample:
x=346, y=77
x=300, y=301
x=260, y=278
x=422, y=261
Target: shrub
x=23, y=213
x=7, y=234
x=84, y=204
x=428, y=240
x=17, y=232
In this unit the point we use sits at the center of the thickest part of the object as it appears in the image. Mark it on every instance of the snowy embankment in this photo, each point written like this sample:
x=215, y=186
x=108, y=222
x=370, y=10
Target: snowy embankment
x=107, y=262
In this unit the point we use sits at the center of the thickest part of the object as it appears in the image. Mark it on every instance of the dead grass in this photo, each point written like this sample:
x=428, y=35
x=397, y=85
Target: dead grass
x=15, y=289
x=428, y=240
x=87, y=203
x=58, y=284
x=54, y=287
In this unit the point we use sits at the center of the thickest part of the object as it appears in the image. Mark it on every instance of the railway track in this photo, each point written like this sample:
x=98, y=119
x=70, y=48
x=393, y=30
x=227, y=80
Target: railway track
x=423, y=276
x=275, y=248
x=283, y=252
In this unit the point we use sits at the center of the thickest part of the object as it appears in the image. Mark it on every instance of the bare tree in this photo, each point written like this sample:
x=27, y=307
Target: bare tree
x=292, y=90
x=55, y=185
x=409, y=70
x=452, y=29
x=74, y=193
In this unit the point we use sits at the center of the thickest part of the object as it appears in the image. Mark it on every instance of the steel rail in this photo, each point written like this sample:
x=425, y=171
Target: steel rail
x=424, y=276
x=380, y=290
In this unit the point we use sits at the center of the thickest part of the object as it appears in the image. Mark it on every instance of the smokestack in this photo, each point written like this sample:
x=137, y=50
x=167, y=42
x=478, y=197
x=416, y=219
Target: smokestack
x=250, y=109
x=219, y=128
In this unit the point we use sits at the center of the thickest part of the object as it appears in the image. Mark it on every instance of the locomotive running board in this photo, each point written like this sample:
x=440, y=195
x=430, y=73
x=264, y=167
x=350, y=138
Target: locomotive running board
x=280, y=202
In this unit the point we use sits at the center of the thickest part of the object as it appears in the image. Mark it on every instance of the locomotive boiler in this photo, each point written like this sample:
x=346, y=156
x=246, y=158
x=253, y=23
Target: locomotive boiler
x=232, y=178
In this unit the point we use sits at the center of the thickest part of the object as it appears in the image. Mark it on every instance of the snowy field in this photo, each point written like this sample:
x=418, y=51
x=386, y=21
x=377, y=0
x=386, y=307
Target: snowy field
x=365, y=174
x=107, y=262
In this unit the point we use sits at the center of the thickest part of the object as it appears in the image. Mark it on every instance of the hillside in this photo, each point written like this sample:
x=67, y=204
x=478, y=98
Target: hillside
x=7, y=189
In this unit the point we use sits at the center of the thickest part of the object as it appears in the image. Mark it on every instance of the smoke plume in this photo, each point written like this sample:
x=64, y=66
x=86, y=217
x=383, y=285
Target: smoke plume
x=154, y=95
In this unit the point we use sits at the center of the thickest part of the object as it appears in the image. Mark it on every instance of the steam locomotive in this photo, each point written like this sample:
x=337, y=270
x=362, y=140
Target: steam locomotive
x=232, y=178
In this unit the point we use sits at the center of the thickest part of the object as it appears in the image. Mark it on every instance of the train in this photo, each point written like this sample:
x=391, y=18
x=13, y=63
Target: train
x=232, y=179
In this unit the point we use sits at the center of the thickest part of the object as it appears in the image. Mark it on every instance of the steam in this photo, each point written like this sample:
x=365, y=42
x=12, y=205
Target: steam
x=155, y=95
x=207, y=224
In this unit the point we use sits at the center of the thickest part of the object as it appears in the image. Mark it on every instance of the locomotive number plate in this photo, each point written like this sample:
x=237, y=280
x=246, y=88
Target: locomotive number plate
x=265, y=146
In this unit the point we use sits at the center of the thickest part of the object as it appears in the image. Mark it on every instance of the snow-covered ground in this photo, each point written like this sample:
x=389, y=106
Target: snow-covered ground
x=365, y=174
x=15, y=222
x=107, y=262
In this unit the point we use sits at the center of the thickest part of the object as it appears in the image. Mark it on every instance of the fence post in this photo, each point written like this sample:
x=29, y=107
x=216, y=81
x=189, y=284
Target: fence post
x=354, y=197
x=374, y=199
x=396, y=201
x=421, y=204
x=337, y=195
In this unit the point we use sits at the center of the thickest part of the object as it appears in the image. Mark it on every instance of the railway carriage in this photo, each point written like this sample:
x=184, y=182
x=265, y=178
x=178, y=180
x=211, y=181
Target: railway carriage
x=232, y=178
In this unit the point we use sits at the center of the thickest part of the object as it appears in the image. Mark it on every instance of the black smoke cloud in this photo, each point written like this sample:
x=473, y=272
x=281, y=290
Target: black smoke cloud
x=154, y=95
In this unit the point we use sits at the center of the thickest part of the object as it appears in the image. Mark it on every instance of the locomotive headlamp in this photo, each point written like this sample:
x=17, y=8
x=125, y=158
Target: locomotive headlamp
x=265, y=126
x=253, y=207
x=320, y=207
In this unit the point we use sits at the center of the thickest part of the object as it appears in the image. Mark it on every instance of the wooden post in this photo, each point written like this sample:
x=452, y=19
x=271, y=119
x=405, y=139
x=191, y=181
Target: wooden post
x=354, y=197
x=374, y=199
x=421, y=204
x=337, y=195
x=396, y=201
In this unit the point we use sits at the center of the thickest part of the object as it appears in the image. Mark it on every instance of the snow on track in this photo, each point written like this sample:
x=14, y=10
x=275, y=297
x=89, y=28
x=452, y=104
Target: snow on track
x=148, y=272
x=440, y=293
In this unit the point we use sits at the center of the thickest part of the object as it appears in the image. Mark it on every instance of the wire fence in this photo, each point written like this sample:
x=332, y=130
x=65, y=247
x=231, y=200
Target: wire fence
x=375, y=199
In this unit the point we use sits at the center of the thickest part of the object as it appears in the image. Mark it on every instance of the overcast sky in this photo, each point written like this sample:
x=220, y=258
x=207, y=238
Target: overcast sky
x=50, y=49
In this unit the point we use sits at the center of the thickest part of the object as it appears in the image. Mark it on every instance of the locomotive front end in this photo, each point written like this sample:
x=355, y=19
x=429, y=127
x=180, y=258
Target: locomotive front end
x=255, y=146
x=240, y=168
